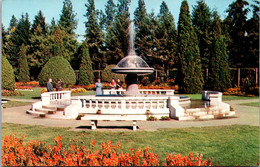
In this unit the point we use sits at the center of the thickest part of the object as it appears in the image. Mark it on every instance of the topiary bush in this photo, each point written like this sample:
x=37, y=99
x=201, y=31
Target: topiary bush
x=107, y=75
x=8, y=80
x=57, y=68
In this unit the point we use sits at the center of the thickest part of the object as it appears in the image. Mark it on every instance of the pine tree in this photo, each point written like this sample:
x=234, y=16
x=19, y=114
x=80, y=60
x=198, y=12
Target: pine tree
x=201, y=21
x=117, y=37
x=67, y=21
x=19, y=36
x=93, y=35
x=4, y=39
x=110, y=13
x=166, y=38
x=67, y=25
x=143, y=39
x=219, y=73
x=39, y=20
x=13, y=24
x=190, y=78
x=39, y=51
x=24, y=74
x=236, y=27
x=86, y=75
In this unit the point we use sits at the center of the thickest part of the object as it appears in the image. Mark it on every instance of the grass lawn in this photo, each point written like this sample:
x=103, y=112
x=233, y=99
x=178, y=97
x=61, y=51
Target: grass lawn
x=226, y=145
x=224, y=97
x=16, y=104
x=36, y=94
x=253, y=104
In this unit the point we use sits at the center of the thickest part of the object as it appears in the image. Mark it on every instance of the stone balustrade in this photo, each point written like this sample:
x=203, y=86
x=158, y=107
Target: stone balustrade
x=49, y=97
x=142, y=91
x=122, y=105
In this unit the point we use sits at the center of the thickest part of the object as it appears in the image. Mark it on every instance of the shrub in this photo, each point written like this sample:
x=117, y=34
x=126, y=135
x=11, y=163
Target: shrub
x=11, y=93
x=79, y=90
x=107, y=75
x=8, y=80
x=165, y=118
x=57, y=68
x=152, y=118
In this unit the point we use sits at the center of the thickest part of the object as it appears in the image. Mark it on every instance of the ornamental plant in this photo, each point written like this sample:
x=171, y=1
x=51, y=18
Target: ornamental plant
x=107, y=75
x=8, y=80
x=57, y=68
x=16, y=152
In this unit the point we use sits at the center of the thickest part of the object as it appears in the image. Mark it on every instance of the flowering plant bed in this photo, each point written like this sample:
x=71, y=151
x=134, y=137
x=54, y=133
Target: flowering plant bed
x=11, y=93
x=15, y=152
x=31, y=83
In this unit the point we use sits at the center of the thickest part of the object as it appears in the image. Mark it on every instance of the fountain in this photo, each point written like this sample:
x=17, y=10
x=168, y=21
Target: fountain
x=132, y=65
x=134, y=104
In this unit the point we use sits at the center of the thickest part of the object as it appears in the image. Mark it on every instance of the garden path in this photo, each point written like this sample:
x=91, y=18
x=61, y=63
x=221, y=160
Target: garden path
x=245, y=115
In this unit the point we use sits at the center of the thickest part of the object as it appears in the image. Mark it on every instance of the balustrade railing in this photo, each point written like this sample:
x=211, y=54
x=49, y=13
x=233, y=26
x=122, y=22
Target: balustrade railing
x=142, y=91
x=122, y=105
x=49, y=97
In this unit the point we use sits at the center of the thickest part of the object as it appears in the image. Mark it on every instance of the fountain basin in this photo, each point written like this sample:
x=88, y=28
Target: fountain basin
x=139, y=70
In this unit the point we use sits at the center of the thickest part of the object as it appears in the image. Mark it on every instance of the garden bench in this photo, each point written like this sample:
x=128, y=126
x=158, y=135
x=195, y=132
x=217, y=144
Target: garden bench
x=94, y=118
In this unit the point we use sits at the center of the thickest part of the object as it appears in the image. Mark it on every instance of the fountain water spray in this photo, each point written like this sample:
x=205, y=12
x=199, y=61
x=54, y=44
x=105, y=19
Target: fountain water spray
x=132, y=65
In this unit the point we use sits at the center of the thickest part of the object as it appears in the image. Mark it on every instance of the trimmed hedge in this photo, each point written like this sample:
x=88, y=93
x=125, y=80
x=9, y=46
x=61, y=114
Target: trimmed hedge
x=8, y=80
x=57, y=68
x=107, y=75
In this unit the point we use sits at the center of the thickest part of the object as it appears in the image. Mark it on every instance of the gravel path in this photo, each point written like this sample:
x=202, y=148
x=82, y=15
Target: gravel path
x=245, y=115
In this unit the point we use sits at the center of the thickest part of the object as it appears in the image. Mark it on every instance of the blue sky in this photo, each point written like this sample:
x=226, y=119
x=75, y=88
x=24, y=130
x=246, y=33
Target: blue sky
x=52, y=8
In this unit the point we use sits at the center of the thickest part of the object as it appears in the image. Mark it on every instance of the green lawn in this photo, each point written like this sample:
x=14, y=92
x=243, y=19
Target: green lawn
x=16, y=104
x=253, y=104
x=226, y=145
x=224, y=97
x=36, y=94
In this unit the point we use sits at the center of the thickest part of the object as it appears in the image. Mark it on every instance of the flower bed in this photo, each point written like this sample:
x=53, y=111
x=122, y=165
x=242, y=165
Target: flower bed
x=11, y=93
x=24, y=87
x=31, y=83
x=15, y=152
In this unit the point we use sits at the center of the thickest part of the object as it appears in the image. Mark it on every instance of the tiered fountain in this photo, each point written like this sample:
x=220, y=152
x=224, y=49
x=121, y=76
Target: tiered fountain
x=132, y=65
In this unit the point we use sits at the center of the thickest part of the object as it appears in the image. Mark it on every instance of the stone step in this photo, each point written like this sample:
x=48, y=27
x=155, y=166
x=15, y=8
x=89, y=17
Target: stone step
x=186, y=118
x=205, y=117
x=48, y=111
x=49, y=107
x=36, y=113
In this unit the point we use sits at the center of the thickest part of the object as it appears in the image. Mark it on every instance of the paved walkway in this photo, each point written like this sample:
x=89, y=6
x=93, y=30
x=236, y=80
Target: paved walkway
x=245, y=115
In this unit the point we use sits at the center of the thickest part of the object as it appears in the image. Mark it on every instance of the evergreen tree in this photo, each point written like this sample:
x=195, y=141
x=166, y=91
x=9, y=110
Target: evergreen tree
x=252, y=38
x=166, y=37
x=39, y=51
x=8, y=79
x=19, y=36
x=86, y=75
x=219, y=73
x=190, y=78
x=236, y=27
x=110, y=13
x=67, y=21
x=4, y=39
x=201, y=20
x=117, y=37
x=67, y=25
x=13, y=24
x=143, y=39
x=24, y=75
x=93, y=35
x=39, y=20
